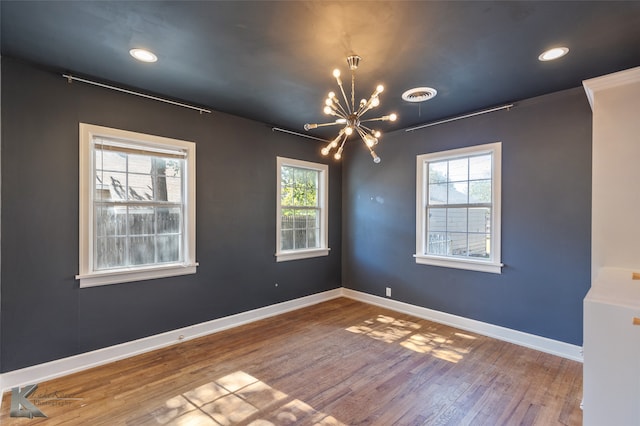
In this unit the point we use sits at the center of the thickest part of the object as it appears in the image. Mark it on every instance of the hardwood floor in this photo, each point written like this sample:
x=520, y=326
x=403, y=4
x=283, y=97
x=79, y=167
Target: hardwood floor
x=340, y=362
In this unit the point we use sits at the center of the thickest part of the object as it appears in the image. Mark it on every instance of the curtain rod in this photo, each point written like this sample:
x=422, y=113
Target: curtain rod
x=298, y=134
x=71, y=78
x=460, y=117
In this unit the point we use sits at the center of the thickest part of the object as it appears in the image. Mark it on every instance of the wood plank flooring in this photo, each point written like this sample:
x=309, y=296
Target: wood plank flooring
x=340, y=362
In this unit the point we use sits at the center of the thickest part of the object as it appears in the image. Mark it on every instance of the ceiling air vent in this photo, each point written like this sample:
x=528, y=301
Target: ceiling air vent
x=419, y=94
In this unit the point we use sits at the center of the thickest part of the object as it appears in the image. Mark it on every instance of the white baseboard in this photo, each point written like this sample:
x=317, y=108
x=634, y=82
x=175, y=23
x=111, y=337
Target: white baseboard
x=532, y=341
x=62, y=367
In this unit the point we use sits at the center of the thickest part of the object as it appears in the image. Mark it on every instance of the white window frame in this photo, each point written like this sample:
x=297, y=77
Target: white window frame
x=493, y=264
x=88, y=276
x=323, y=204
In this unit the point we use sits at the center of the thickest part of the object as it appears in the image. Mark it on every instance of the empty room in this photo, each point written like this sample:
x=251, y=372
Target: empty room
x=319, y=213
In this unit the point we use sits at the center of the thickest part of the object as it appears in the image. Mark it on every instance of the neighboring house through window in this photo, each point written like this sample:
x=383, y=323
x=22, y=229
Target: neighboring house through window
x=137, y=206
x=302, y=204
x=458, y=208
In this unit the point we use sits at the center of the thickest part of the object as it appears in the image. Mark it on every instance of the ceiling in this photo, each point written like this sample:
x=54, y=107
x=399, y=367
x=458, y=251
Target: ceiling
x=272, y=61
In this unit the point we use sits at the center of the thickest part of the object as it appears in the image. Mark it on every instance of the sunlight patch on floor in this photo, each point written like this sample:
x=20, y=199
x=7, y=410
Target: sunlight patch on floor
x=238, y=398
x=390, y=330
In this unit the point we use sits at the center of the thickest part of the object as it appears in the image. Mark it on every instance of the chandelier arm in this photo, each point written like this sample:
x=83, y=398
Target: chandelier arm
x=344, y=140
x=313, y=126
x=353, y=87
x=344, y=95
x=374, y=119
x=363, y=136
x=366, y=128
x=339, y=108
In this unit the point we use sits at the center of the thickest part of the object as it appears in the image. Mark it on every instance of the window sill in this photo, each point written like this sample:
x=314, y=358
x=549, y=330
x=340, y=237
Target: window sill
x=284, y=256
x=137, y=274
x=468, y=264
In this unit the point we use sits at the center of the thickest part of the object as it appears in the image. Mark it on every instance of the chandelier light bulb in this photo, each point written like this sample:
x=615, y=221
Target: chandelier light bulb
x=336, y=73
x=377, y=133
x=393, y=117
x=369, y=140
x=375, y=101
x=328, y=110
x=328, y=102
x=324, y=151
x=348, y=130
x=380, y=88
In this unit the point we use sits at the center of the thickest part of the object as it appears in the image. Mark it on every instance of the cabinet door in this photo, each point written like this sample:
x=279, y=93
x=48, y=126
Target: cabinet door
x=611, y=365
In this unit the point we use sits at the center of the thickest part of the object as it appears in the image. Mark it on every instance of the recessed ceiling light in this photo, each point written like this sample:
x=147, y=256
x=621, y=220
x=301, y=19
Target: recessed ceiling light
x=419, y=94
x=143, y=55
x=555, y=53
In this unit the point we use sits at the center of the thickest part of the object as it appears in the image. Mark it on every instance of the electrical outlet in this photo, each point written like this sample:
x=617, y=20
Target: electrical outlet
x=388, y=292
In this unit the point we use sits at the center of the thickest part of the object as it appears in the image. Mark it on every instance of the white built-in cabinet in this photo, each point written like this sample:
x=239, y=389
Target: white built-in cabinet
x=612, y=305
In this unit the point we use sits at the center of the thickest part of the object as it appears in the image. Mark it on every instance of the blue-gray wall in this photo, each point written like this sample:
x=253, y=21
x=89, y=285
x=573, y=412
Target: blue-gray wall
x=44, y=315
x=546, y=218
x=546, y=201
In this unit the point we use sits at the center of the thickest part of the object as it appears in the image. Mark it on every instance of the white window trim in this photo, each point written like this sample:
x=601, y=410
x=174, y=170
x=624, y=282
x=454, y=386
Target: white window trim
x=492, y=265
x=323, y=201
x=87, y=276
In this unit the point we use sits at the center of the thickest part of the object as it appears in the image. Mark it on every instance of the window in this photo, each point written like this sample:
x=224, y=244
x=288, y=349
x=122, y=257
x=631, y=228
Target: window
x=137, y=206
x=301, y=225
x=458, y=208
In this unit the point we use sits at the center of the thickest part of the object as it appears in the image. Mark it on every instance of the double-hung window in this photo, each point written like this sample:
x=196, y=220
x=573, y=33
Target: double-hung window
x=458, y=208
x=302, y=203
x=137, y=206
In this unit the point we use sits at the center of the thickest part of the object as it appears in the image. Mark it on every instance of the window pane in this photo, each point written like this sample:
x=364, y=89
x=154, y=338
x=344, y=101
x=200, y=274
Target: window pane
x=139, y=164
x=458, y=241
x=480, y=219
x=438, y=243
x=141, y=250
x=168, y=220
x=437, y=220
x=479, y=245
x=140, y=187
x=458, y=193
x=313, y=238
x=141, y=221
x=114, y=183
x=480, y=191
x=286, y=240
x=457, y=220
x=110, y=221
x=105, y=223
x=168, y=247
x=174, y=189
x=459, y=170
x=300, y=239
x=300, y=219
x=438, y=172
x=287, y=219
x=438, y=193
x=110, y=160
x=304, y=188
x=110, y=252
x=480, y=167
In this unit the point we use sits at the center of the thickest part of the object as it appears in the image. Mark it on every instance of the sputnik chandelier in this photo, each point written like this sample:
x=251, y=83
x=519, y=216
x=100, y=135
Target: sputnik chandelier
x=350, y=117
